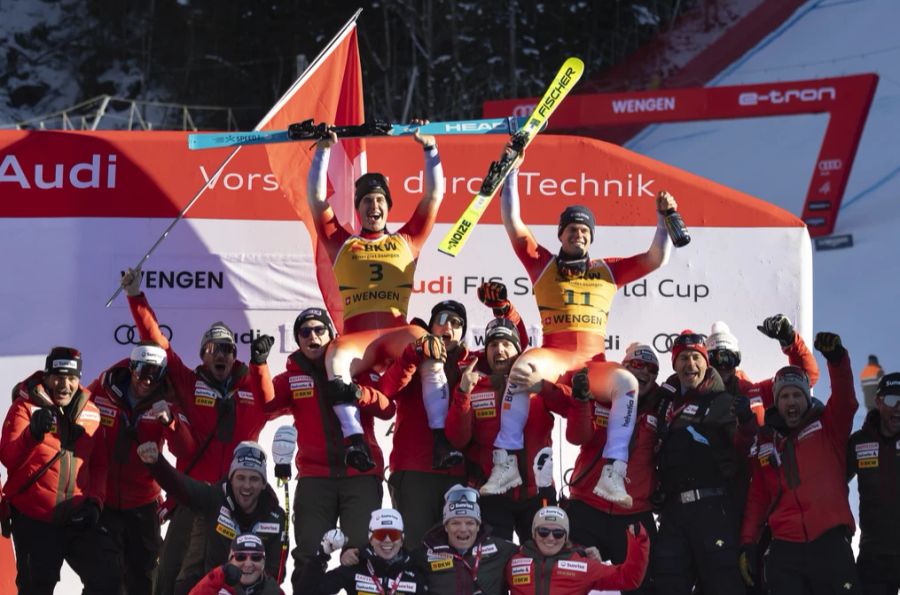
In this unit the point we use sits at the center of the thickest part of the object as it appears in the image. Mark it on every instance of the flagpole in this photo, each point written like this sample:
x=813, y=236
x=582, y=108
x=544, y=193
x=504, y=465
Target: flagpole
x=313, y=66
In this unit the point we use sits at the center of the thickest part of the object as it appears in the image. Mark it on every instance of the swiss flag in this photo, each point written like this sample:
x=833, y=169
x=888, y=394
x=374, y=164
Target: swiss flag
x=329, y=91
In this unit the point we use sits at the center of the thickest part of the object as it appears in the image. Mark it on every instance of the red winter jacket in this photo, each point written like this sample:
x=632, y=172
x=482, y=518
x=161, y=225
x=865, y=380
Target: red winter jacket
x=78, y=475
x=473, y=422
x=760, y=393
x=799, y=484
x=320, y=443
x=128, y=482
x=214, y=584
x=202, y=400
x=641, y=467
x=570, y=572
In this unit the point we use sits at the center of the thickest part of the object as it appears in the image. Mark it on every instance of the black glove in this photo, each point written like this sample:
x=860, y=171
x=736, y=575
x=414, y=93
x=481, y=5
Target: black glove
x=581, y=387
x=259, y=349
x=85, y=517
x=338, y=392
x=747, y=563
x=493, y=295
x=830, y=346
x=232, y=574
x=41, y=422
x=778, y=327
x=742, y=410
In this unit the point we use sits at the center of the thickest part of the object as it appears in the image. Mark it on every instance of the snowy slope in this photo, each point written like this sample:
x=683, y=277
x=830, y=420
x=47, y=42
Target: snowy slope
x=855, y=290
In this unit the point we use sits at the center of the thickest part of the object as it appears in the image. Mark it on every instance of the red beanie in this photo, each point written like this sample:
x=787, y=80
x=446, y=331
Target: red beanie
x=688, y=339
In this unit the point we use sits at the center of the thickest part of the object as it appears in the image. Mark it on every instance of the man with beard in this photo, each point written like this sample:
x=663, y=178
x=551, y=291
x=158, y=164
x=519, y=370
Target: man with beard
x=242, y=502
x=421, y=476
x=799, y=486
x=595, y=520
x=223, y=399
x=136, y=403
x=375, y=271
x=328, y=489
x=574, y=294
x=700, y=443
x=473, y=423
x=874, y=457
x=52, y=447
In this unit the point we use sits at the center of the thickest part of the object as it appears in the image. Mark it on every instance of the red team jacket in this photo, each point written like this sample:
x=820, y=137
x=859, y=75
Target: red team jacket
x=760, y=393
x=251, y=388
x=799, y=480
x=128, y=482
x=320, y=443
x=589, y=463
x=76, y=476
x=473, y=422
x=570, y=572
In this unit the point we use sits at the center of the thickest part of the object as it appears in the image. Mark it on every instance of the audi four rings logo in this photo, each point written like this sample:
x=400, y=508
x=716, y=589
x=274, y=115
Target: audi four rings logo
x=126, y=334
x=830, y=165
x=663, y=342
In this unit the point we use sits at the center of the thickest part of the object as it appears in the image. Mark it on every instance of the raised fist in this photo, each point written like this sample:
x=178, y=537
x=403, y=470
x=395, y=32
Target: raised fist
x=131, y=282
x=231, y=574
x=581, y=387
x=778, y=327
x=259, y=349
x=161, y=412
x=431, y=347
x=830, y=346
x=493, y=295
x=148, y=453
x=40, y=424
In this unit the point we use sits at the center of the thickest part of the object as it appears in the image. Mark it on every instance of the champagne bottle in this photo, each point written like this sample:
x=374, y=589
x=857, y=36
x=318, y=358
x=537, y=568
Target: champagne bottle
x=678, y=231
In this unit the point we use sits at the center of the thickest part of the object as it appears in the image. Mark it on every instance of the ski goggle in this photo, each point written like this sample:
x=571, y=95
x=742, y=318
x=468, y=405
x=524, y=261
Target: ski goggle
x=723, y=359
x=307, y=331
x=450, y=318
x=689, y=340
x=392, y=534
x=226, y=349
x=547, y=532
x=144, y=371
x=638, y=364
x=891, y=400
x=458, y=495
x=239, y=557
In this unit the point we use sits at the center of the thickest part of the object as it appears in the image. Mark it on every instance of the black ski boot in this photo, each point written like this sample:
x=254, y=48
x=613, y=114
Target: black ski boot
x=357, y=454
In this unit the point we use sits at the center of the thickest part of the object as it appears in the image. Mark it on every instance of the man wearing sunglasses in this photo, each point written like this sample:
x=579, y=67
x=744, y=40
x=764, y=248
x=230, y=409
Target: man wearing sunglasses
x=474, y=421
x=383, y=566
x=328, y=489
x=725, y=357
x=699, y=445
x=243, y=574
x=223, y=399
x=136, y=404
x=873, y=455
x=241, y=502
x=550, y=563
x=596, y=521
x=574, y=294
x=799, y=486
x=51, y=446
x=420, y=476
x=375, y=271
x=462, y=556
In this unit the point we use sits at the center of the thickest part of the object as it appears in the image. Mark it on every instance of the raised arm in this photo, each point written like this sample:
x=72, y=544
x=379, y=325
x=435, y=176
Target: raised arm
x=419, y=225
x=330, y=231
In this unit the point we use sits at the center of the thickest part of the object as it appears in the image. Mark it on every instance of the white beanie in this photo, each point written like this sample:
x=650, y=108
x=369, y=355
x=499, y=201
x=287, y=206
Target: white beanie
x=641, y=352
x=720, y=337
x=385, y=518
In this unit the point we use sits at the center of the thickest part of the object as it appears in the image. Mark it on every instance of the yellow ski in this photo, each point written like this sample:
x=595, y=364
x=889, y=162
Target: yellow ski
x=568, y=75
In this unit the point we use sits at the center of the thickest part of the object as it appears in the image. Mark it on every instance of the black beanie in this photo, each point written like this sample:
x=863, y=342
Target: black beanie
x=502, y=328
x=449, y=306
x=889, y=384
x=369, y=183
x=313, y=314
x=576, y=214
x=63, y=360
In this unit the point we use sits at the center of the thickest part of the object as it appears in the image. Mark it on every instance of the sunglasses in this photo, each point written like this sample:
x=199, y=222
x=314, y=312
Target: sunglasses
x=217, y=348
x=307, y=331
x=151, y=372
x=546, y=532
x=382, y=534
x=891, y=400
x=723, y=358
x=637, y=364
x=447, y=317
x=243, y=557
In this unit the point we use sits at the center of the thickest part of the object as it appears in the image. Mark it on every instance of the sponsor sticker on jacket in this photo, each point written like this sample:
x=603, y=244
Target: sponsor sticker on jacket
x=89, y=415
x=245, y=397
x=489, y=549
x=813, y=427
x=484, y=405
x=522, y=579
x=204, y=401
x=406, y=587
x=572, y=565
x=445, y=564
x=267, y=528
x=867, y=455
x=601, y=416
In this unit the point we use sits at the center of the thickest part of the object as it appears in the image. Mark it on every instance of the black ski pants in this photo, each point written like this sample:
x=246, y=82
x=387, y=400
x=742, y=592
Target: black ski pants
x=137, y=537
x=823, y=566
x=419, y=497
x=878, y=573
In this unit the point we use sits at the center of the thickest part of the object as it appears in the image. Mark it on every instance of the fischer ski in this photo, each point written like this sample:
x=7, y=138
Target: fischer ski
x=309, y=130
x=566, y=78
